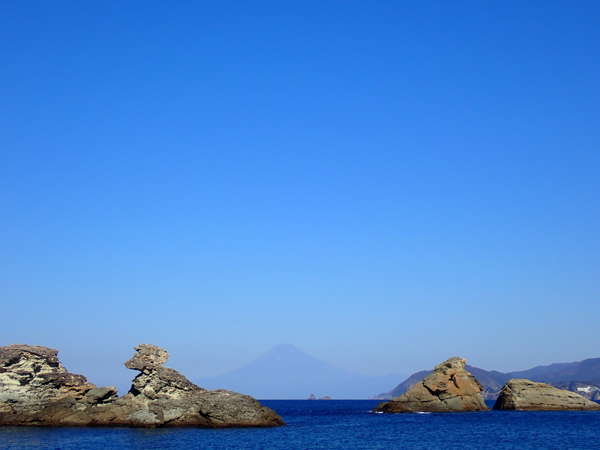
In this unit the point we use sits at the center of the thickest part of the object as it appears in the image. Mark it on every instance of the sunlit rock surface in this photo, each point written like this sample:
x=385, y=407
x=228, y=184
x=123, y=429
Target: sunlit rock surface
x=520, y=394
x=35, y=390
x=448, y=388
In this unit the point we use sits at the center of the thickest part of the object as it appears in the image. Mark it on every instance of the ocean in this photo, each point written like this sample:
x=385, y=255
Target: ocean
x=339, y=424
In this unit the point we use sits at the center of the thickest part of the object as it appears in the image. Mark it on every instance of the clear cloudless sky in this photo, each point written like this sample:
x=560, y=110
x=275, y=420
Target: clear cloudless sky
x=383, y=184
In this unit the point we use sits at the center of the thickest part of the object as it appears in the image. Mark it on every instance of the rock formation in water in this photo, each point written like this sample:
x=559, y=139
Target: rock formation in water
x=35, y=390
x=448, y=388
x=32, y=376
x=520, y=394
x=570, y=376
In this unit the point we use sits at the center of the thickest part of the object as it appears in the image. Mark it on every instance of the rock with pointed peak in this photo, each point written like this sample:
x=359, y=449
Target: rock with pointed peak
x=521, y=394
x=448, y=388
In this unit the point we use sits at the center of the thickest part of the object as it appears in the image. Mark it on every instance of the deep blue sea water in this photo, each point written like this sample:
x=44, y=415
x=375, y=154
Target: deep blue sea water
x=339, y=424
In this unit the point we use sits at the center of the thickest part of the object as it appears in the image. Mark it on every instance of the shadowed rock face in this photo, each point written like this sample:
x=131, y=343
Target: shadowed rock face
x=448, y=388
x=520, y=394
x=35, y=390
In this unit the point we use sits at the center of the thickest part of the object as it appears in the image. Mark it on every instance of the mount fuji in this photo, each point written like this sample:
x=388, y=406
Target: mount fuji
x=285, y=372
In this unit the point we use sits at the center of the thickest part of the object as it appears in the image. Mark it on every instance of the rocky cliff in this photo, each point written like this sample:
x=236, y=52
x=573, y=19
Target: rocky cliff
x=520, y=394
x=32, y=376
x=448, y=388
x=35, y=390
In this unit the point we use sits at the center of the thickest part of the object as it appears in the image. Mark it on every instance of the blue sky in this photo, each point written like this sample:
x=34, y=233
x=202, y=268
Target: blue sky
x=382, y=184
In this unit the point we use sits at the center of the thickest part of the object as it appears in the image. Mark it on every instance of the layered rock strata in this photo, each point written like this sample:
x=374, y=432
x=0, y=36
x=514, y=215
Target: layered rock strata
x=448, y=388
x=32, y=376
x=35, y=390
x=526, y=395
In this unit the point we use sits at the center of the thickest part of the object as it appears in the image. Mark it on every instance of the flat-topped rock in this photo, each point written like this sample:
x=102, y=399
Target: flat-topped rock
x=526, y=395
x=448, y=388
x=35, y=390
x=147, y=355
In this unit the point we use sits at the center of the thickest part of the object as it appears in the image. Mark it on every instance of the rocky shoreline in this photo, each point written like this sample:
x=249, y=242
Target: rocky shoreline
x=36, y=390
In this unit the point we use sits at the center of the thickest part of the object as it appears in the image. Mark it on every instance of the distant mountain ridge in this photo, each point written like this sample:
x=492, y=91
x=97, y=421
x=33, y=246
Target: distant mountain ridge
x=565, y=375
x=285, y=372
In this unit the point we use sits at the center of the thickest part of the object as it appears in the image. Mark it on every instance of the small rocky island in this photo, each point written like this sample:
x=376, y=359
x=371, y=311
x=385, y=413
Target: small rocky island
x=448, y=388
x=36, y=390
x=526, y=395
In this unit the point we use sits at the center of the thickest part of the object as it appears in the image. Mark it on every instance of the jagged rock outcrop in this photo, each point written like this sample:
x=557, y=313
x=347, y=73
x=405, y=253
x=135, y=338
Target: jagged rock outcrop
x=35, y=390
x=155, y=380
x=520, y=394
x=32, y=376
x=448, y=388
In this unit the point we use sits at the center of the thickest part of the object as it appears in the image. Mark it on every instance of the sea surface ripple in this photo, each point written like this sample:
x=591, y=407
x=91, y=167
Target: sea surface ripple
x=339, y=424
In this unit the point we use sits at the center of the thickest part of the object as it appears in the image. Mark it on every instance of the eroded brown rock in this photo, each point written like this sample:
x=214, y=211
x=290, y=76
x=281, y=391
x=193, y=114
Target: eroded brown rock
x=448, y=388
x=32, y=376
x=526, y=395
x=36, y=390
x=156, y=381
